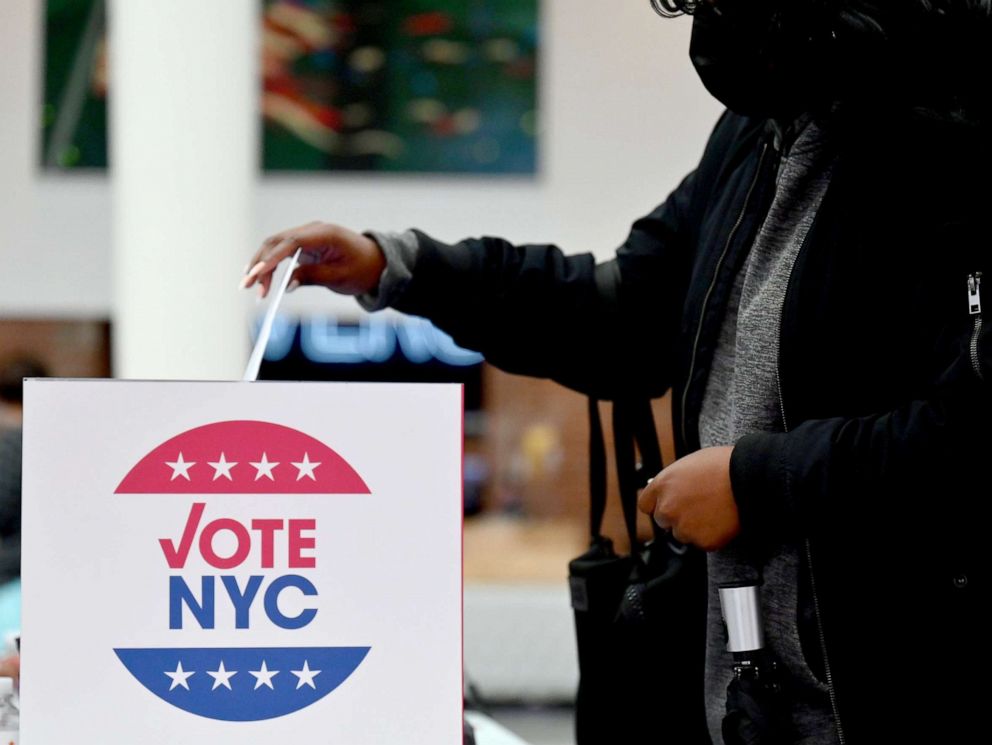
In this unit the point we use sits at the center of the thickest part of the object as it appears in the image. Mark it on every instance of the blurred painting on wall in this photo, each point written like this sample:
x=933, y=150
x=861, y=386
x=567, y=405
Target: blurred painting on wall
x=74, y=111
x=418, y=86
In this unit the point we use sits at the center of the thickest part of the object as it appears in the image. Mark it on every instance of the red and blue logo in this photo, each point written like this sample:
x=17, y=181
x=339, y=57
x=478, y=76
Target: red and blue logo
x=242, y=683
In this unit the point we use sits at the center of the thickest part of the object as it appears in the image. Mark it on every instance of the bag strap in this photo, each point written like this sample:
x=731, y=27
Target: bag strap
x=597, y=472
x=633, y=425
x=626, y=462
x=646, y=437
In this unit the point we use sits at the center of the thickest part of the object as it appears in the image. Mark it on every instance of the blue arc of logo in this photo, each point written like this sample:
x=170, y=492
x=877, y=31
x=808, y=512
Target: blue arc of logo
x=242, y=684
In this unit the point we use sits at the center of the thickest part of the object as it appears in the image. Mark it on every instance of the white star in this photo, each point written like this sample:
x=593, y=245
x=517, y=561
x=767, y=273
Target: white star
x=222, y=468
x=306, y=676
x=264, y=676
x=264, y=468
x=306, y=468
x=179, y=677
x=180, y=467
x=222, y=677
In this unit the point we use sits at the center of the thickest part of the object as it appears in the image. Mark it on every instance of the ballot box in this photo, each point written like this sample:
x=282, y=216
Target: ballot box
x=210, y=562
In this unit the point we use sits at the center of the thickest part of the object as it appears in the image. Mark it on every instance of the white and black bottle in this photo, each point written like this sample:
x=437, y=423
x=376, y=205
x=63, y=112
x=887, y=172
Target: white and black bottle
x=753, y=702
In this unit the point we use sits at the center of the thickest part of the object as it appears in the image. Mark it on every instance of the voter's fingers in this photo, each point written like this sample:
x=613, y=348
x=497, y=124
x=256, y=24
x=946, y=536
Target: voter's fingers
x=648, y=497
x=264, y=269
x=333, y=256
x=312, y=238
x=652, y=501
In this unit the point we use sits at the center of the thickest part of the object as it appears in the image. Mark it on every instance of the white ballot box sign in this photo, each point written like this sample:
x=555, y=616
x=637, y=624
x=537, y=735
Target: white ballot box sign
x=239, y=562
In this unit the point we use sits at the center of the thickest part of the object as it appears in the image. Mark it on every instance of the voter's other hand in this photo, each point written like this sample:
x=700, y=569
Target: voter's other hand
x=693, y=498
x=333, y=256
x=10, y=667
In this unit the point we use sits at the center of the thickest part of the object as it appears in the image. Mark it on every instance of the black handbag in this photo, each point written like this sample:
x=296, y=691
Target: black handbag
x=640, y=618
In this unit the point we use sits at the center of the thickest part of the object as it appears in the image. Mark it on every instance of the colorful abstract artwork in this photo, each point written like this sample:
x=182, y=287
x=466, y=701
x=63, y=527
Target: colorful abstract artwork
x=444, y=86
x=74, y=110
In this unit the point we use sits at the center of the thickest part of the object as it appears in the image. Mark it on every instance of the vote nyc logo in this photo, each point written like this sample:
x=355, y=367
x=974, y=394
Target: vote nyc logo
x=256, y=569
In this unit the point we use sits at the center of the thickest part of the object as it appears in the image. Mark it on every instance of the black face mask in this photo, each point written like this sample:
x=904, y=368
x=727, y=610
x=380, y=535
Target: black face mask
x=749, y=65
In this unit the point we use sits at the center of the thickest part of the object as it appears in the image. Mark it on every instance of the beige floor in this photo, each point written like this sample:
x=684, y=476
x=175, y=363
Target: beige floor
x=538, y=726
x=511, y=549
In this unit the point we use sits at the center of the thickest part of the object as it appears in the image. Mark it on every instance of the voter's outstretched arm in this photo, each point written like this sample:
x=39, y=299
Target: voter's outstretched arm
x=607, y=330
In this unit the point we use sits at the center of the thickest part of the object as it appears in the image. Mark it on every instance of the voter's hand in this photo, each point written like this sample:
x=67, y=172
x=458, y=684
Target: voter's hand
x=333, y=256
x=693, y=498
x=10, y=667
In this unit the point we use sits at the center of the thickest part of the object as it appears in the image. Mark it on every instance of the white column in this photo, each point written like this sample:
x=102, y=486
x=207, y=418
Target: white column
x=184, y=133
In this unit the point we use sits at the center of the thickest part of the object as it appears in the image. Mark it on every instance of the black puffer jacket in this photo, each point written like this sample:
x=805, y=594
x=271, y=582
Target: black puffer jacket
x=886, y=386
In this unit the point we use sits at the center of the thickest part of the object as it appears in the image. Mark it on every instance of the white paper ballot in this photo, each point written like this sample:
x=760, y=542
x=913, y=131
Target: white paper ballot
x=255, y=361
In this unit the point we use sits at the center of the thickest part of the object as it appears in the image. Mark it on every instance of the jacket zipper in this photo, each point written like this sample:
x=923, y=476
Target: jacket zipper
x=975, y=310
x=709, y=290
x=808, y=547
